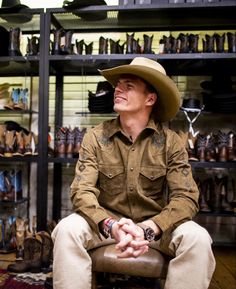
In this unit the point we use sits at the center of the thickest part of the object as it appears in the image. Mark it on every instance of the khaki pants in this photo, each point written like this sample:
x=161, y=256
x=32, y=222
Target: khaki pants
x=190, y=245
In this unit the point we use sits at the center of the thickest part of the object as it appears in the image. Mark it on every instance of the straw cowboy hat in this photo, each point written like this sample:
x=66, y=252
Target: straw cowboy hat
x=168, y=101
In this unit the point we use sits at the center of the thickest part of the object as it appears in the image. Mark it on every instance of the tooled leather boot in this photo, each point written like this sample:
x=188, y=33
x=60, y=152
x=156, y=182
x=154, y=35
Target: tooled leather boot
x=208, y=43
x=193, y=43
x=220, y=41
x=201, y=147
x=204, y=194
x=210, y=153
x=231, y=38
x=68, y=47
x=222, y=146
x=88, y=48
x=9, y=143
x=14, y=42
x=20, y=145
x=60, y=142
x=13, y=99
x=79, y=134
x=32, y=47
x=225, y=204
x=2, y=139
x=79, y=46
x=70, y=142
x=103, y=45
x=147, y=48
x=167, y=41
x=231, y=147
x=28, y=143
x=56, y=46
x=47, y=249
x=129, y=43
x=20, y=236
x=184, y=43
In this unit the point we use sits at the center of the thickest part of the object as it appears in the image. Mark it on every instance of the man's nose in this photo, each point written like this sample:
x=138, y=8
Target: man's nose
x=119, y=87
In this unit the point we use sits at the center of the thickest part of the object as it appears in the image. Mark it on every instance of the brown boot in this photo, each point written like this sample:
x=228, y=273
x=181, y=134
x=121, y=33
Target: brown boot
x=9, y=143
x=20, y=236
x=36, y=141
x=231, y=147
x=2, y=139
x=28, y=143
x=222, y=146
x=70, y=142
x=20, y=146
x=47, y=249
x=60, y=142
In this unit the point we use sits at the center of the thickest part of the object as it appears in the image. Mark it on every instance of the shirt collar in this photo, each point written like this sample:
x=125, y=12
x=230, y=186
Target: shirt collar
x=115, y=126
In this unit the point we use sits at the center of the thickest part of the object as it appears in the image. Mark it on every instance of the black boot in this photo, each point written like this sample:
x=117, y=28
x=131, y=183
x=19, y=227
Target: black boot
x=32, y=46
x=68, y=47
x=208, y=44
x=231, y=37
x=184, y=44
x=79, y=46
x=88, y=48
x=147, y=44
x=129, y=43
x=220, y=41
x=56, y=47
x=103, y=45
x=14, y=43
x=193, y=43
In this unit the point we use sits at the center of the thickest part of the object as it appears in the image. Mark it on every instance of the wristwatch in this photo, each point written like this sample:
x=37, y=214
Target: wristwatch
x=149, y=233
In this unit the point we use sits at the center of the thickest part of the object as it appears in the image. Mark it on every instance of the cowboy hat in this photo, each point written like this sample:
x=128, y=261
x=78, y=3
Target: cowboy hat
x=14, y=6
x=168, y=101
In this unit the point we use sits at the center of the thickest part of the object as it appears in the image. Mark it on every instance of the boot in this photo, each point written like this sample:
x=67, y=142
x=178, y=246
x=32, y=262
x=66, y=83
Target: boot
x=22, y=103
x=3, y=188
x=88, y=48
x=220, y=41
x=79, y=134
x=167, y=42
x=2, y=139
x=32, y=256
x=210, y=153
x=79, y=46
x=14, y=42
x=204, y=190
x=32, y=47
x=189, y=142
x=13, y=99
x=129, y=43
x=9, y=143
x=120, y=47
x=208, y=44
x=184, y=44
x=215, y=200
x=47, y=249
x=68, y=48
x=222, y=146
x=231, y=37
x=147, y=44
x=201, y=147
x=113, y=46
x=60, y=142
x=56, y=46
x=136, y=47
x=231, y=147
x=28, y=143
x=103, y=45
x=225, y=204
x=20, y=236
x=36, y=141
x=20, y=145
x=193, y=43
x=16, y=185
x=70, y=142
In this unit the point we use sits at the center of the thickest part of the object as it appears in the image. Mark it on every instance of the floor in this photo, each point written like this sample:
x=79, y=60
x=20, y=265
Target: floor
x=224, y=276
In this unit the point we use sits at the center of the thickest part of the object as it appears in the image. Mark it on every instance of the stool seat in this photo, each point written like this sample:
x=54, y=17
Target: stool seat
x=152, y=264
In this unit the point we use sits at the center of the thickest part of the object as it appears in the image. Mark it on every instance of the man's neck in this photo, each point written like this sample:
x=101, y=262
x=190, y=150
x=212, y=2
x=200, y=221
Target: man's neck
x=133, y=126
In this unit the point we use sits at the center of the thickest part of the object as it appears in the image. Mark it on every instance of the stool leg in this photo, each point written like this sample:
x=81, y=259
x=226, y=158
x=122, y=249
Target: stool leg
x=94, y=280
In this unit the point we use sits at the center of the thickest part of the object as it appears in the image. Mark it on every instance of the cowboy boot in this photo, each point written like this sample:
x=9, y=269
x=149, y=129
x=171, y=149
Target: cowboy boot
x=208, y=44
x=70, y=142
x=184, y=44
x=189, y=142
x=167, y=44
x=47, y=249
x=32, y=261
x=210, y=153
x=174, y=45
x=201, y=147
x=20, y=236
x=225, y=204
x=3, y=188
x=36, y=142
x=231, y=37
x=215, y=199
x=15, y=178
x=103, y=45
x=14, y=42
x=220, y=41
x=68, y=47
x=23, y=99
x=79, y=46
x=222, y=146
x=231, y=147
x=203, y=192
x=32, y=47
x=12, y=100
x=56, y=45
x=113, y=46
x=28, y=143
x=193, y=43
x=88, y=48
x=120, y=47
x=147, y=44
x=9, y=143
x=129, y=43
x=60, y=142
x=2, y=139
x=136, y=47
x=79, y=135
x=20, y=146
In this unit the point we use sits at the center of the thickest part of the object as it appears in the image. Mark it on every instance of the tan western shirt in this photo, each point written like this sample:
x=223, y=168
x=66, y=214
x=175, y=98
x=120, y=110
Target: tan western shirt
x=116, y=177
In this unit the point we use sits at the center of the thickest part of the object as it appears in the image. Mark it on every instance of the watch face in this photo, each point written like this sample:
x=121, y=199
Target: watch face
x=149, y=234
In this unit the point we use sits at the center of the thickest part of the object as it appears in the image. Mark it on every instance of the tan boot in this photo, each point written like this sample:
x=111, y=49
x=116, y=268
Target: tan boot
x=20, y=236
x=10, y=102
x=9, y=143
x=20, y=146
x=2, y=139
x=28, y=144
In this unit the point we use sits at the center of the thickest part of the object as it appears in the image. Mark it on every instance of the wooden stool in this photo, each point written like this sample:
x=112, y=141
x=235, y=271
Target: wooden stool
x=152, y=264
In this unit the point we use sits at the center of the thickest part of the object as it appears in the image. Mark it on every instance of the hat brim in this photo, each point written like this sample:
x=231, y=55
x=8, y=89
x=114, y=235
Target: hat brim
x=168, y=101
x=19, y=18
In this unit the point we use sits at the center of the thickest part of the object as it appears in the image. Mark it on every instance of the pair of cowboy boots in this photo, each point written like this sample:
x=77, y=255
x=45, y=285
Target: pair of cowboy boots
x=36, y=254
x=116, y=47
x=214, y=43
x=10, y=185
x=18, y=99
x=81, y=46
x=32, y=47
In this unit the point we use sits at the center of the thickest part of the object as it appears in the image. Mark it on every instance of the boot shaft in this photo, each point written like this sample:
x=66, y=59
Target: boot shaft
x=14, y=43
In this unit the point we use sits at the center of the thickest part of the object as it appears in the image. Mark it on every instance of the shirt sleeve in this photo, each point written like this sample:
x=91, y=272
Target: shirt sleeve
x=183, y=192
x=84, y=193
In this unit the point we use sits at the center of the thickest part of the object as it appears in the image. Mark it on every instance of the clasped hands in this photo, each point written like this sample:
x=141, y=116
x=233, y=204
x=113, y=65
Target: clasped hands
x=129, y=238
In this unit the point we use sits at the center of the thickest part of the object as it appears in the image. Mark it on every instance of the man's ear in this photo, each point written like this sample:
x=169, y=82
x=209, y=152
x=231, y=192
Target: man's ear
x=151, y=99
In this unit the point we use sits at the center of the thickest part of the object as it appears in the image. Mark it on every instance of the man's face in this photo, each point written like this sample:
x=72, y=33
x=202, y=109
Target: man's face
x=131, y=95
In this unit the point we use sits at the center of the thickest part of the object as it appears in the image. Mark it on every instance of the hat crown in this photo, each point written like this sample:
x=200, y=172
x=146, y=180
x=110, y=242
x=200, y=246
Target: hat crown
x=142, y=61
x=10, y=3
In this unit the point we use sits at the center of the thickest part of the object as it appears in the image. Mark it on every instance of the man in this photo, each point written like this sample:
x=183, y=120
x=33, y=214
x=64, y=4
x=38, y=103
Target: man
x=119, y=191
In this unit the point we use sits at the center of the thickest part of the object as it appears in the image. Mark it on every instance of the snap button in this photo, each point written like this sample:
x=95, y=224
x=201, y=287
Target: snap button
x=152, y=177
x=131, y=189
x=131, y=169
x=110, y=175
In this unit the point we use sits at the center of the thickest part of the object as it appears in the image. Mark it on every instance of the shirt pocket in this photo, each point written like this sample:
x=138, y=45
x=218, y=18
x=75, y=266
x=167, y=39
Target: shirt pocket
x=111, y=179
x=152, y=181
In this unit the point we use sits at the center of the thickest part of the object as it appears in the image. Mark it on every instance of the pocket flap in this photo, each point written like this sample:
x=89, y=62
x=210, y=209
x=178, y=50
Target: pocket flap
x=153, y=173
